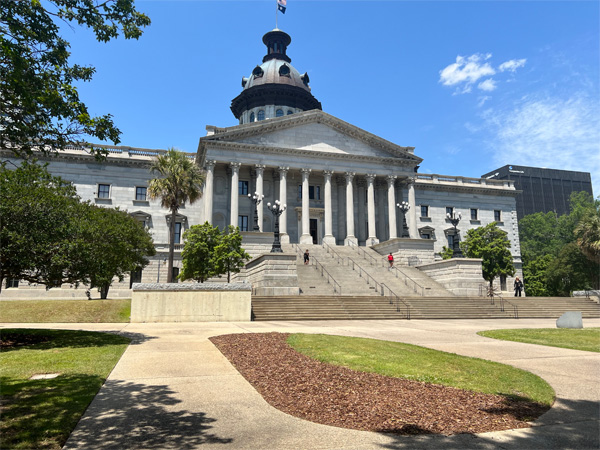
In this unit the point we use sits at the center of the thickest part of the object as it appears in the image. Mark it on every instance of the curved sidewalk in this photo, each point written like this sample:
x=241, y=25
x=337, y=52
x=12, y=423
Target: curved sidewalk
x=172, y=389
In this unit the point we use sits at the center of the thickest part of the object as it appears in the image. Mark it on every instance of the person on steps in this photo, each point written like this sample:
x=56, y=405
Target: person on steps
x=391, y=261
x=306, y=257
x=518, y=287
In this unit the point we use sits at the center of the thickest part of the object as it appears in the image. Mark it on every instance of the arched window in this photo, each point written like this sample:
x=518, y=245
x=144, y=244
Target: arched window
x=261, y=115
x=290, y=112
x=251, y=117
x=279, y=113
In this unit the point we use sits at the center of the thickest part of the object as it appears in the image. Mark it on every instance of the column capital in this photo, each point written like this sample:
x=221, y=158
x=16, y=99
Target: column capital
x=305, y=171
x=235, y=166
x=328, y=173
x=210, y=164
x=283, y=170
x=259, y=168
x=349, y=176
x=391, y=179
x=370, y=177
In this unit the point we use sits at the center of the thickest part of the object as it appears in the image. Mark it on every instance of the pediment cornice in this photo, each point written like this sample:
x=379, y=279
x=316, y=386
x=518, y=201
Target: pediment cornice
x=304, y=118
x=402, y=160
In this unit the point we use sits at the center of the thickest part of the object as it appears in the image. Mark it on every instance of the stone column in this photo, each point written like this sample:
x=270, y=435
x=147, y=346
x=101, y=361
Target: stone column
x=350, y=210
x=361, y=197
x=235, y=176
x=259, y=189
x=341, y=223
x=208, y=190
x=305, y=238
x=412, y=212
x=391, y=179
x=372, y=238
x=284, y=237
x=329, y=238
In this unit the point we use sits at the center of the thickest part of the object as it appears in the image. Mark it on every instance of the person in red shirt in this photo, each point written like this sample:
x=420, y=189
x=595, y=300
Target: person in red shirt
x=391, y=261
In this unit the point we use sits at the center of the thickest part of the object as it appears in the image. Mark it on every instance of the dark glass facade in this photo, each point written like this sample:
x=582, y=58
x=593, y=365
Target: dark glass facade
x=543, y=190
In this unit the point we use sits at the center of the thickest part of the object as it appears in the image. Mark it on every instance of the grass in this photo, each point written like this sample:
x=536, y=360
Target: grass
x=422, y=364
x=587, y=339
x=41, y=414
x=65, y=311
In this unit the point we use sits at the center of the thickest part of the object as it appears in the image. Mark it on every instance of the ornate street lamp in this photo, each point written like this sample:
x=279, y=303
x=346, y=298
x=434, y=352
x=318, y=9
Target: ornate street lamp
x=256, y=199
x=277, y=209
x=454, y=218
x=404, y=207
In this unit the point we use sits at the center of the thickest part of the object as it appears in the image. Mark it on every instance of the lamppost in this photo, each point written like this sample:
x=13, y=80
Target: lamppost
x=256, y=199
x=454, y=218
x=277, y=209
x=404, y=207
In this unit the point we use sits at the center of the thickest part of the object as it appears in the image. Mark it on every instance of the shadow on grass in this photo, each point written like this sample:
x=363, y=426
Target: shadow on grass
x=132, y=415
x=44, y=339
x=568, y=424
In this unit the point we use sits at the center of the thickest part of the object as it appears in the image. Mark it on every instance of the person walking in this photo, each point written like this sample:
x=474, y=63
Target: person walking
x=306, y=257
x=390, y=261
x=518, y=287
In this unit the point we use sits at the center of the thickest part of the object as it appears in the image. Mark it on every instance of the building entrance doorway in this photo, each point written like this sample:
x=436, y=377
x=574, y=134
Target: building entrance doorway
x=314, y=227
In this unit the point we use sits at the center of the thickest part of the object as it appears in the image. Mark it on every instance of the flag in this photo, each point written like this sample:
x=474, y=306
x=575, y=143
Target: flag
x=281, y=5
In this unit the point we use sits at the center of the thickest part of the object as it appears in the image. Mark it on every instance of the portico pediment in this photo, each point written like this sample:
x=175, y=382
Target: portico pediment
x=310, y=131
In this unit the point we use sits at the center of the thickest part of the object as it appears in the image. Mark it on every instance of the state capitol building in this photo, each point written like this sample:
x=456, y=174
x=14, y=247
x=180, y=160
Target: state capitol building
x=341, y=184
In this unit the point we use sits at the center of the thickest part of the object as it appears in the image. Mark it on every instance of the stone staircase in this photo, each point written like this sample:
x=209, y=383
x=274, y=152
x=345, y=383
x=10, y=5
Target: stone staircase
x=312, y=307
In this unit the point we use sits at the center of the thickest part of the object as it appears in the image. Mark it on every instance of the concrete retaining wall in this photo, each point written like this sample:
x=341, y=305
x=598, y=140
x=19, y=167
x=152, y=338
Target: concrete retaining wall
x=407, y=252
x=461, y=276
x=191, y=302
x=273, y=274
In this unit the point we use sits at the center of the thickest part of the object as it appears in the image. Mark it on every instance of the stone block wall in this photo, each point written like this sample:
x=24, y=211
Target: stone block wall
x=273, y=274
x=461, y=276
x=407, y=252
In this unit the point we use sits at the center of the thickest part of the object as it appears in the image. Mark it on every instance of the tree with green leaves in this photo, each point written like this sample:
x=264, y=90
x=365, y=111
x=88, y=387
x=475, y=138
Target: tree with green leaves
x=571, y=271
x=40, y=107
x=229, y=256
x=38, y=214
x=198, y=252
x=587, y=233
x=114, y=244
x=179, y=181
x=491, y=244
x=49, y=236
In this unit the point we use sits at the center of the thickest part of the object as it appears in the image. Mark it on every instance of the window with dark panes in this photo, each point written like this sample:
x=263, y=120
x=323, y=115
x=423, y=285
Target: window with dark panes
x=243, y=187
x=177, y=239
x=104, y=191
x=473, y=214
x=449, y=210
x=424, y=211
x=140, y=193
x=497, y=215
x=243, y=223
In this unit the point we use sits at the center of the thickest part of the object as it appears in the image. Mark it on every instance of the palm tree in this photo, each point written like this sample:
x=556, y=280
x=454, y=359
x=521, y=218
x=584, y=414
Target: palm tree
x=588, y=235
x=180, y=180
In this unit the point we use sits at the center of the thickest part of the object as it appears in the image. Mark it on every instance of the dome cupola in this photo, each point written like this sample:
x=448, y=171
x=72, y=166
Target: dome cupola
x=275, y=88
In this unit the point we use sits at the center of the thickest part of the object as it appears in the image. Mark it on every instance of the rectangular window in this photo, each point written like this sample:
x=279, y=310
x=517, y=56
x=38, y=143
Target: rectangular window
x=497, y=215
x=243, y=187
x=314, y=192
x=474, y=214
x=177, y=233
x=317, y=192
x=449, y=210
x=12, y=283
x=299, y=191
x=243, y=223
x=424, y=211
x=311, y=192
x=450, y=241
x=425, y=236
x=104, y=191
x=140, y=193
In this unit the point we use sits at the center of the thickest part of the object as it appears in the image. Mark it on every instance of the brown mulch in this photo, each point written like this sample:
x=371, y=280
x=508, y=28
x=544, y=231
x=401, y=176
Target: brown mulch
x=338, y=396
x=9, y=341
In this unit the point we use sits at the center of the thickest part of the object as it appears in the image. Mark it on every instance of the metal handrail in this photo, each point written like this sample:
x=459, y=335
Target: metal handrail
x=339, y=259
x=360, y=274
x=415, y=285
x=372, y=260
x=398, y=300
x=337, y=287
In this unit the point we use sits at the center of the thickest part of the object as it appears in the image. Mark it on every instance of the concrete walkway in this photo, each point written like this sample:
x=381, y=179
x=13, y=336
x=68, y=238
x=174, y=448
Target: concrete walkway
x=172, y=389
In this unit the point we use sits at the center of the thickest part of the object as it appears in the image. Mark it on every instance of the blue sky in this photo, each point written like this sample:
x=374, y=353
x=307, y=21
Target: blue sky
x=473, y=85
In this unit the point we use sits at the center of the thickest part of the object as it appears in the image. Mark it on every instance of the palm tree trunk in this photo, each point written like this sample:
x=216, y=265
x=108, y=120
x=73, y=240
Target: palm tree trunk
x=171, y=246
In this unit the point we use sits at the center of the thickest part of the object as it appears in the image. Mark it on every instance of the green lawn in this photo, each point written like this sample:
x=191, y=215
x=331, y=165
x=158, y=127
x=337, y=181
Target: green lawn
x=65, y=311
x=42, y=413
x=422, y=364
x=587, y=339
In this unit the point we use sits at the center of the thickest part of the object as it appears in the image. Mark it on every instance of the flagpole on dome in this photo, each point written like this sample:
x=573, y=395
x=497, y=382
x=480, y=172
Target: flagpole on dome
x=276, y=11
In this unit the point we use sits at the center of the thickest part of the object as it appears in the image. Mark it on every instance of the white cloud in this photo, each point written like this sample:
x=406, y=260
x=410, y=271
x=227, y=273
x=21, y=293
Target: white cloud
x=482, y=100
x=467, y=71
x=488, y=85
x=549, y=132
x=512, y=65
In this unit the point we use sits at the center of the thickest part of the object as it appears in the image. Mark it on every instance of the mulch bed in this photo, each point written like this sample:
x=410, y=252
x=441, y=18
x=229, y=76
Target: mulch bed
x=338, y=396
x=9, y=341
